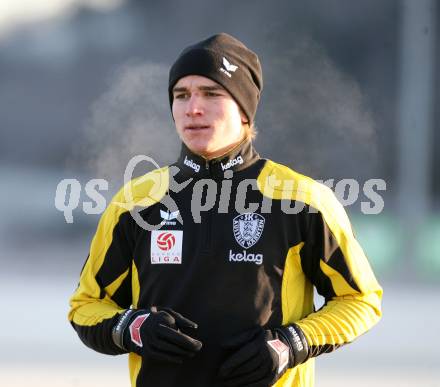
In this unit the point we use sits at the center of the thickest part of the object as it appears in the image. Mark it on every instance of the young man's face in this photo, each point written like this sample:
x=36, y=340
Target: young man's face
x=207, y=118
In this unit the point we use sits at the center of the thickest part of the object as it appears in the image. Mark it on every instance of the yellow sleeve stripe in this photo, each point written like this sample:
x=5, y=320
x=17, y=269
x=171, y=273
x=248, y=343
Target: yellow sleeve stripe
x=135, y=285
x=134, y=365
x=295, y=282
x=338, y=322
x=92, y=313
x=340, y=286
x=111, y=289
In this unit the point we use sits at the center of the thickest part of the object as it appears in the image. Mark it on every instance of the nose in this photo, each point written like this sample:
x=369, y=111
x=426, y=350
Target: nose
x=194, y=106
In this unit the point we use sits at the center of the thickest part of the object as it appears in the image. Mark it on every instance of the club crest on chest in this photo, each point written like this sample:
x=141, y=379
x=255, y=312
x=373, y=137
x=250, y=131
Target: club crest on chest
x=248, y=229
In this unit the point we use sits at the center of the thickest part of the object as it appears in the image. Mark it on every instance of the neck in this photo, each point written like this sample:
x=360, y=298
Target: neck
x=223, y=151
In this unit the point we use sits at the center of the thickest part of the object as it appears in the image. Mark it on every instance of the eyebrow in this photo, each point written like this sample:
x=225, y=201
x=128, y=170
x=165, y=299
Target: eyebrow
x=202, y=88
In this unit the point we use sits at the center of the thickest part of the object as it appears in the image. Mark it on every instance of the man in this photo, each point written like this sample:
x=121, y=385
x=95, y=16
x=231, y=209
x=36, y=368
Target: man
x=221, y=293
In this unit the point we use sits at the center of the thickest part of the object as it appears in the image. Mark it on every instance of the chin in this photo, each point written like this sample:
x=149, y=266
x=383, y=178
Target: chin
x=198, y=147
x=202, y=151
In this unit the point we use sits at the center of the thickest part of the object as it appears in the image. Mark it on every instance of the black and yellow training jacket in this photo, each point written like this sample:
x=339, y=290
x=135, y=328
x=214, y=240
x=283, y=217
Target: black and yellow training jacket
x=230, y=265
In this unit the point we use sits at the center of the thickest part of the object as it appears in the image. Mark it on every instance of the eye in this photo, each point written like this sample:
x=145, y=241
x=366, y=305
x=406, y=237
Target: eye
x=212, y=94
x=181, y=95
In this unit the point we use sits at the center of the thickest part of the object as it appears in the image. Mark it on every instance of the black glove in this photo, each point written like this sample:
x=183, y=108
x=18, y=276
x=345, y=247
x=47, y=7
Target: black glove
x=260, y=357
x=156, y=334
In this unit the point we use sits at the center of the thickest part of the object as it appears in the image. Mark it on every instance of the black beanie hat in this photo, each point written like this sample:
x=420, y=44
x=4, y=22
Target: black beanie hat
x=226, y=61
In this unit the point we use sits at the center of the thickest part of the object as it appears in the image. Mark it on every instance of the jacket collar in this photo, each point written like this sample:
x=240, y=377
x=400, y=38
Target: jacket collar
x=240, y=157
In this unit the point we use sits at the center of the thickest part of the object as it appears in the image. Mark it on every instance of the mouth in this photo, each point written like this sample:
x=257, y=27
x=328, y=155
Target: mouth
x=197, y=127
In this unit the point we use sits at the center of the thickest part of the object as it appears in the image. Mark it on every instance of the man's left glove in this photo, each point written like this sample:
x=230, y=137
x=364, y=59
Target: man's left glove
x=261, y=356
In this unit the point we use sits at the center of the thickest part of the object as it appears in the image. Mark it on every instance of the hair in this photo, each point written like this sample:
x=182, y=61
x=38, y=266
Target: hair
x=250, y=131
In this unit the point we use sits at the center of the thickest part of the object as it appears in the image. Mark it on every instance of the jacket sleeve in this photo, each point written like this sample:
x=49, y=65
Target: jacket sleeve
x=334, y=262
x=109, y=281
x=104, y=289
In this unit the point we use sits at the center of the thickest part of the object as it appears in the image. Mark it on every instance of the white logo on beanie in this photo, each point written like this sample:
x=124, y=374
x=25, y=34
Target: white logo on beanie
x=229, y=67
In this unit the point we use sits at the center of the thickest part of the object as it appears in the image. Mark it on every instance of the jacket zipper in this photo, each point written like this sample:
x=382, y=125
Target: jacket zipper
x=208, y=223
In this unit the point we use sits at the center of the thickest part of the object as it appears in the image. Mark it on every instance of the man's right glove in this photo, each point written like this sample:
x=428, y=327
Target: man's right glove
x=156, y=334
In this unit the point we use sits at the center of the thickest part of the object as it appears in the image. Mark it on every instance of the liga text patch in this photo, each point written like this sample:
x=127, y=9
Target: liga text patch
x=166, y=247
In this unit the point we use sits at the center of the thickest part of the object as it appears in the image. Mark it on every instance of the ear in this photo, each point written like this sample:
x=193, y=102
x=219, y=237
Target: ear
x=244, y=119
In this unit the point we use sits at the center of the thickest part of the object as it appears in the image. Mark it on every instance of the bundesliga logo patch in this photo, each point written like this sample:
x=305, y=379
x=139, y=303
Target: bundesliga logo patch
x=166, y=247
